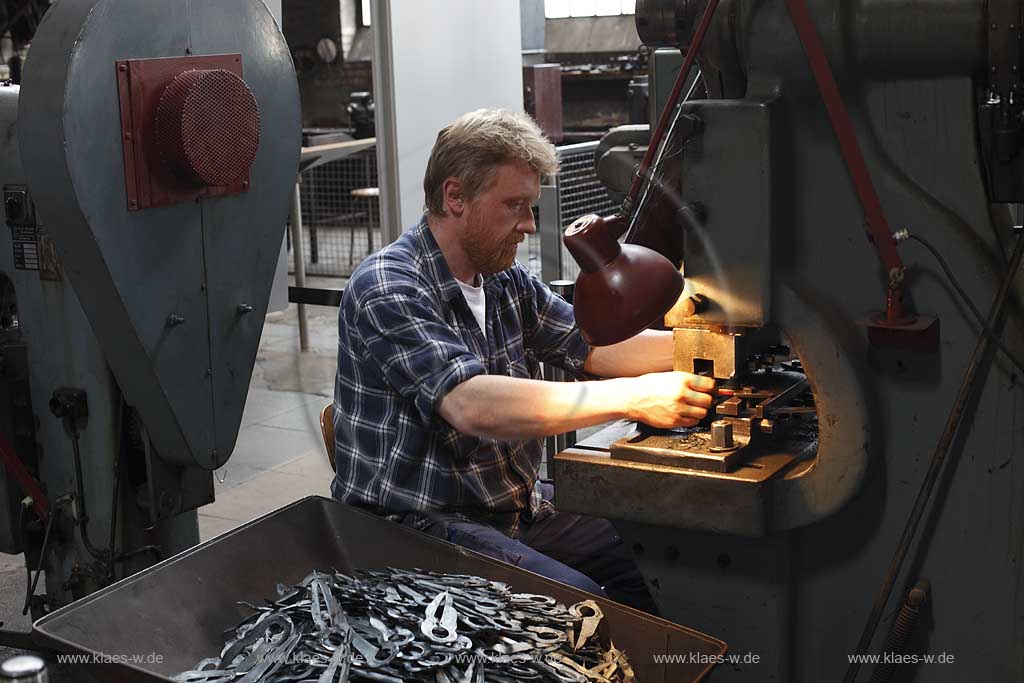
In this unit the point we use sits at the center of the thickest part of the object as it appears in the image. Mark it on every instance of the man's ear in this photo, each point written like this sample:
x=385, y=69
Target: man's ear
x=454, y=197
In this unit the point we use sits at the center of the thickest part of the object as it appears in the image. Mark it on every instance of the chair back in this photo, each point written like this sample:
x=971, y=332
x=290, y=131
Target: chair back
x=327, y=429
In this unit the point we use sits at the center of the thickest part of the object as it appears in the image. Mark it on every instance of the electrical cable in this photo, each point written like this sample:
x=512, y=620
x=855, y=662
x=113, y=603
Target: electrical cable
x=115, y=499
x=662, y=156
x=116, y=557
x=966, y=299
x=42, y=554
x=83, y=514
x=24, y=549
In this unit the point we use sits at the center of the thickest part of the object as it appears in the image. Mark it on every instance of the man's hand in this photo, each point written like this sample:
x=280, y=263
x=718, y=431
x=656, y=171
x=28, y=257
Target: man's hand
x=669, y=399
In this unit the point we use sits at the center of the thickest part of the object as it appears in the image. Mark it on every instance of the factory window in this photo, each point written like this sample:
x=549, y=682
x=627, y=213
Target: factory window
x=364, y=13
x=558, y=9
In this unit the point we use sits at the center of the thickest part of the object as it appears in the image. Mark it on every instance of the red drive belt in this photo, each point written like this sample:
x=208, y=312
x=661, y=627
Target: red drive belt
x=843, y=126
x=25, y=479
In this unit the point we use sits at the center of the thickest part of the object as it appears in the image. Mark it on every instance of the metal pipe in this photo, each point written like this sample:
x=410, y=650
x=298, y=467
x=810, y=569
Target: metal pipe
x=980, y=361
x=300, y=264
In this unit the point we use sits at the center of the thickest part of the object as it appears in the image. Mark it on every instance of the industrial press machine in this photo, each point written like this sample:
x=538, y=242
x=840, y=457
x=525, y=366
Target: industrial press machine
x=857, y=488
x=147, y=164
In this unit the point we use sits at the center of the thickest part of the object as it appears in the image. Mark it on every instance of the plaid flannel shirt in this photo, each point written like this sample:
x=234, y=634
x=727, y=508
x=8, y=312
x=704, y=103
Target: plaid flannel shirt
x=406, y=337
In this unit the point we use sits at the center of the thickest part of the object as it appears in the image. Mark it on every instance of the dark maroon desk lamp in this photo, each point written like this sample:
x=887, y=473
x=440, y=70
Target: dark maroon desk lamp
x=621, y=288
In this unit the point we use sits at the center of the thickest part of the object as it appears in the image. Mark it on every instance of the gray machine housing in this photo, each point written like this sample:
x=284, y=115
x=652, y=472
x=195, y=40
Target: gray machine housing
x=788, y=570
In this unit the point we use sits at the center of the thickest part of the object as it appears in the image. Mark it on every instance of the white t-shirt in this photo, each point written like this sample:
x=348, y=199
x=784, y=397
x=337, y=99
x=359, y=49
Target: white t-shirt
x=477, y=304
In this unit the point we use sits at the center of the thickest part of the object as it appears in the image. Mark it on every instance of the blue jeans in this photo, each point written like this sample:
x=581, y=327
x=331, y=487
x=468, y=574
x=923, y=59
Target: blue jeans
x=581, y=551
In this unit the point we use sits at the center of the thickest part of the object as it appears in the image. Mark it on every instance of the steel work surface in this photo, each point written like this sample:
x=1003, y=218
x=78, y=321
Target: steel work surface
x=179, y=608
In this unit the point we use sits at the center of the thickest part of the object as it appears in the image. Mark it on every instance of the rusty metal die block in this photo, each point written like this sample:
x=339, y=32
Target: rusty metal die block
x=701, y=350
x=721, y=436
x=691, y=451
x=730, y=406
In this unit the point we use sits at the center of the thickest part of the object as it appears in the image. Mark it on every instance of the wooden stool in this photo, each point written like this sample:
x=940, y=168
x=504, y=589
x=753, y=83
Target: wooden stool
x=370, y=194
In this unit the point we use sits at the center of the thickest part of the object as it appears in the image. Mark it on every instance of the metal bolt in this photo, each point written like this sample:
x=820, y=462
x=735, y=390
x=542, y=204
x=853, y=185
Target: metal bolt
x=173, y=320
x=896, y=277
x=209, y=372
x=124, y=67
x=127, y=135
x=132, y=204
x=244, y=308
x=721, y=435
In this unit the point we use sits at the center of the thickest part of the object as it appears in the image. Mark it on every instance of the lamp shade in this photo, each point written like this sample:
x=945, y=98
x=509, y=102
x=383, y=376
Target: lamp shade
x=622, y=288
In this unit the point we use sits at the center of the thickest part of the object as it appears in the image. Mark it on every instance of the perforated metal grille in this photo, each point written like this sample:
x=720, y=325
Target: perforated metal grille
x=579, y=190
x=208, y=126
x=579, y=193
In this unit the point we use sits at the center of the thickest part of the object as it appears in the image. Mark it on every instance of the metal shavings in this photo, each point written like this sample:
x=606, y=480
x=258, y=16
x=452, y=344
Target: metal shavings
x=401, y=626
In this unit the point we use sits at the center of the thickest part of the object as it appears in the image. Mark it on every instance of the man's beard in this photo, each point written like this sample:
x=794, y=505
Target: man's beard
x=486, y=256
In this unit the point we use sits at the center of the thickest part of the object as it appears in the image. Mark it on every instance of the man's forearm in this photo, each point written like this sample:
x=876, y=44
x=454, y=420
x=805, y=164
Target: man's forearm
x=510, y=408
x=649, y=351
x=513, y=409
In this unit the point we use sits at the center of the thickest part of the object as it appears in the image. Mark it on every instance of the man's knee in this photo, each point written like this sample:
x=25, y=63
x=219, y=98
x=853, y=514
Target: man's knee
x=492, y=543
x=563, y=573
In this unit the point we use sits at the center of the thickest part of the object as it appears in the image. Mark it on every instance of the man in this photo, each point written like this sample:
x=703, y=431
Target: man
x=439, y=409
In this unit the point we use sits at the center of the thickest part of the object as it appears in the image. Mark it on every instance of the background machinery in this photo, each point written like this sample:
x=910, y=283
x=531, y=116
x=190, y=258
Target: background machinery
x=147, y=164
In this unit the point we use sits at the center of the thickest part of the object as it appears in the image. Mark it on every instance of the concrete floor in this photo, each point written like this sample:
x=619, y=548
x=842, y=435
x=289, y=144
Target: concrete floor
x=279, y=456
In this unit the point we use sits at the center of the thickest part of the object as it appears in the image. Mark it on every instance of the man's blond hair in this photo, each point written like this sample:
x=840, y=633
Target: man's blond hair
x=471, y=149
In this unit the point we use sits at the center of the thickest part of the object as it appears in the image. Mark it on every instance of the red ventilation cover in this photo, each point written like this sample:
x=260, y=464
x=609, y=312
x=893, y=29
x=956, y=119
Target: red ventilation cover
x=190, y=129
x=208, y=127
